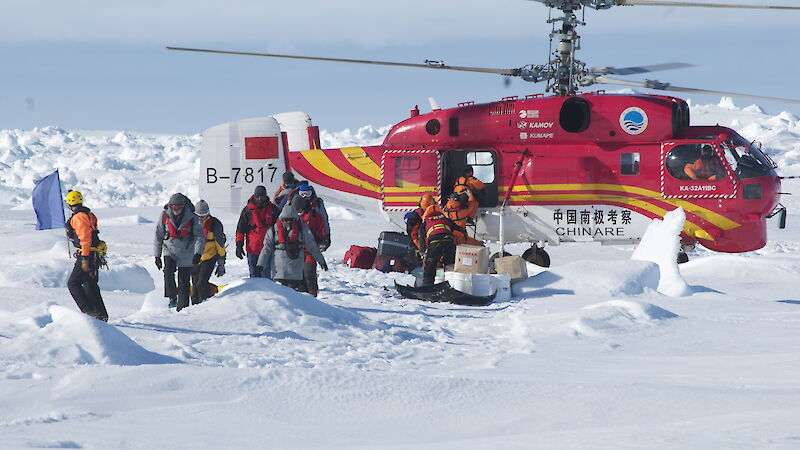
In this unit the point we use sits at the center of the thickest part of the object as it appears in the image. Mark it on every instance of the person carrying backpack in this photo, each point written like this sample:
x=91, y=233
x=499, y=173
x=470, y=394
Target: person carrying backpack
x=90, y=250
x=256, y=218
x=313, y=220
x=284, y=244
x=213, y=254
x=180, y=238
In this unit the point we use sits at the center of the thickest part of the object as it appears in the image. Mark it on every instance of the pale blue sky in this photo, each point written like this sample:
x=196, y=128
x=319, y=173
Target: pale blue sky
x=102, y=65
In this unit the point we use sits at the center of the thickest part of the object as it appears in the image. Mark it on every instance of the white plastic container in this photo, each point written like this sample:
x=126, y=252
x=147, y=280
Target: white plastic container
x=479, y=284
x=501, y=284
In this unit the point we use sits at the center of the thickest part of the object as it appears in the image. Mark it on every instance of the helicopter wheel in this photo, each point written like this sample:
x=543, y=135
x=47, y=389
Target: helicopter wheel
x=498, y=255
x=682, y=257
x=537, y=255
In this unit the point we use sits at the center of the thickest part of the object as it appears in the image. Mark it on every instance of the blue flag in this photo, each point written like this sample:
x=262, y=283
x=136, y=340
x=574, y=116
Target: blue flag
x=48, y=203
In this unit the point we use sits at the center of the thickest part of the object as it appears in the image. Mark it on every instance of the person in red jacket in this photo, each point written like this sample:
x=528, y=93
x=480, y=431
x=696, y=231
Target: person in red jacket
x=315, y=222
x=256, y=218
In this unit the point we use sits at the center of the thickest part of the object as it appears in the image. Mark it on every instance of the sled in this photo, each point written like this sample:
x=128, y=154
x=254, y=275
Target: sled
x=442, y=292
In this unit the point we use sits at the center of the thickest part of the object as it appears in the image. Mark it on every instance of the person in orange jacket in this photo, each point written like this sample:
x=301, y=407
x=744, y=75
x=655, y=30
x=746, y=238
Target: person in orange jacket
x=438, y=242
x=82, y=283
x=414, y=218
x=458, y=209
x=473, y=187
x=706, y=167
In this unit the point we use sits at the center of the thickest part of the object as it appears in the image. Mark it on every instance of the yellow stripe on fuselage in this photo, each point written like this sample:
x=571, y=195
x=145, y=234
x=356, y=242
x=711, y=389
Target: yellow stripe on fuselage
x=359, y=159
x=715, y=218
x=321, y=162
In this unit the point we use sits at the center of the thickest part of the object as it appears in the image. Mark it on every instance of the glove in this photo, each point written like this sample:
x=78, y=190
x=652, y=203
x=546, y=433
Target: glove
x=240, y=250
x=259, y=270
x=326, y=242
x=158, y=263
x=324, y=266
x=85, y=264
x=220, y=269
x=196, y=259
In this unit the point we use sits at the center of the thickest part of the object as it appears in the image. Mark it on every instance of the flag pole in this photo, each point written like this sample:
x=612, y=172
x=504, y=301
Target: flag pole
x=66, y=233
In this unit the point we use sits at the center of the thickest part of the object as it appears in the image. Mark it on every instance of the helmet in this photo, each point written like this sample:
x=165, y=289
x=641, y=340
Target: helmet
x=74, y=198
x=706, y=152
x=426, y=200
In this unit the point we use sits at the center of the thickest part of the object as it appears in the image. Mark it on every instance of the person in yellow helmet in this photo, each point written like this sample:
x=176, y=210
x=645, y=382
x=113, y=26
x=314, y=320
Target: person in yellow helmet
x=82, y=283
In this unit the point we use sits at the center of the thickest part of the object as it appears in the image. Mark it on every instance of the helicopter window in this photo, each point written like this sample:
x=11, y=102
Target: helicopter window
x=483, y=165
x=694, y=162
x=747, y=160
x=629, y=163
x=433, y=127
x=453, y=126
x=407, y=171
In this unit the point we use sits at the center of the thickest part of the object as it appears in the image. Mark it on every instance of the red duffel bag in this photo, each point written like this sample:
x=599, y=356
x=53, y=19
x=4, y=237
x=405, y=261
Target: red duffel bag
x=360, y=257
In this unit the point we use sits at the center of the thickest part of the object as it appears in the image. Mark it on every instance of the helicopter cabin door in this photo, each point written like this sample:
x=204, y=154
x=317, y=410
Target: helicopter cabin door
x=406, y=175
x=484, y=166
x=695, y=170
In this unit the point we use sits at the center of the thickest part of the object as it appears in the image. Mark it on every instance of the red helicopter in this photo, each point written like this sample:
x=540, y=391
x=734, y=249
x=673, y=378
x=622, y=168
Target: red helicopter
x=563, y=167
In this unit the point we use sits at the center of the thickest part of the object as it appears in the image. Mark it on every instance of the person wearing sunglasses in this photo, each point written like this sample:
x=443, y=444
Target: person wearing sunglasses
x=180, y=238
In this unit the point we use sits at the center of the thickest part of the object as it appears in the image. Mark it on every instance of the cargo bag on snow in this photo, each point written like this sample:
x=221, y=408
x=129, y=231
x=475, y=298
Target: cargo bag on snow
x=392, y=243
x=360, y=257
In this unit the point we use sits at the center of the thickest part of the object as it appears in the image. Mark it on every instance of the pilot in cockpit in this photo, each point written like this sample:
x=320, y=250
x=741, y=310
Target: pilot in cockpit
x=706, y=167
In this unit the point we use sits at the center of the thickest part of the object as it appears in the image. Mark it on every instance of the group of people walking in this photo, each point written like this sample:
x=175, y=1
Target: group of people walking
x=282, y=240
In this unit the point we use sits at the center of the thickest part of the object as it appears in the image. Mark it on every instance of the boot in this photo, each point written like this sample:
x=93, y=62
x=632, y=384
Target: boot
x=173, y=302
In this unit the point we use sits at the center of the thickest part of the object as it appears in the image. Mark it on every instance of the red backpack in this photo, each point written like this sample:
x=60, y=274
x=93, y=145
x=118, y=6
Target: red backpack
x=360, y=257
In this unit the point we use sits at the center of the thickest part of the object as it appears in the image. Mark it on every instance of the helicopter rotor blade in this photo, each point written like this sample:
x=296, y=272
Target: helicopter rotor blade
x=657, y=85
x=427, y=65
x=638, y=69
x=697, y=4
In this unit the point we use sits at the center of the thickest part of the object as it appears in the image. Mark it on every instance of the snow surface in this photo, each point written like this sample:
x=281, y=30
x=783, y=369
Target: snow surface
x=591, y=353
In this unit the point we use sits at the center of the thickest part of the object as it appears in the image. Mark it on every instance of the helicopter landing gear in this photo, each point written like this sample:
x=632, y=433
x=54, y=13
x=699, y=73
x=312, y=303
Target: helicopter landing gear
x=498, y=255
x=537, y=255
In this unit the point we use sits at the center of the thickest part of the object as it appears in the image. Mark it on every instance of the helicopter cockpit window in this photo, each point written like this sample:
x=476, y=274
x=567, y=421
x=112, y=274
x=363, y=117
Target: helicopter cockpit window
x=694, y=162
x=747, y=160
x=407, y=171
x=629, y=163
x=483, y=165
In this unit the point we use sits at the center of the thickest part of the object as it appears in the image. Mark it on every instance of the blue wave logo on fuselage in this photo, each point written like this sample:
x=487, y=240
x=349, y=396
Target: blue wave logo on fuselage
x=633, y=120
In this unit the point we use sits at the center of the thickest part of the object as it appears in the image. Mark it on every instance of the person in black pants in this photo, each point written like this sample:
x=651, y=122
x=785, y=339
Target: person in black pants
x=439, y=242
x=82, y=283
x=180, y=238
x=213, y=254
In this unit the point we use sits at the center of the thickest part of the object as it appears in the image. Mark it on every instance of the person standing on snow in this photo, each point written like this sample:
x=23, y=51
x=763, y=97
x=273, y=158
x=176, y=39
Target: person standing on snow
x=180, y=237
x=82, y=283
x=313, y=220
x=256, y=218
x=213, y=253
x=439, y=242
x=284, y=245
x=307, y=192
